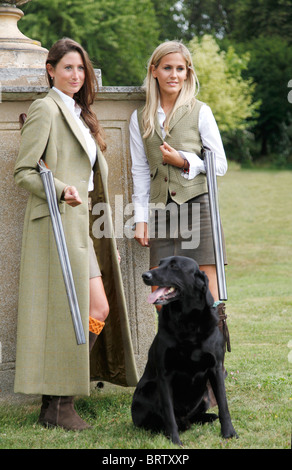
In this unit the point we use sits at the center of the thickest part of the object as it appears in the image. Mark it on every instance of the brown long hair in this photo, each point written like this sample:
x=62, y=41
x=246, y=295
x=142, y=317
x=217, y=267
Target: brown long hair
x=85, y=96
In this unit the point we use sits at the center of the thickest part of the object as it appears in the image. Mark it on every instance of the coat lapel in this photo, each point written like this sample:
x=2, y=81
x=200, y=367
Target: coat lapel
x=179, y=114
x=158, y=128
x=69, y=118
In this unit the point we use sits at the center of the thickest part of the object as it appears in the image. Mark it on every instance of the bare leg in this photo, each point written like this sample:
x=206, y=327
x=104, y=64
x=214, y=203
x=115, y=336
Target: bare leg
x=210, y=270
x=98, y=307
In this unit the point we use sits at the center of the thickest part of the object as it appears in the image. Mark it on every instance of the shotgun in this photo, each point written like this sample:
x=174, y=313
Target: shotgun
x=210, y=166
x=49, y=186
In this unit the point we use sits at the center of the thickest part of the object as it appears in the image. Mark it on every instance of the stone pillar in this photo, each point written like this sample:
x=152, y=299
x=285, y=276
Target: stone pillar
x=22, y=80
x=17, y=50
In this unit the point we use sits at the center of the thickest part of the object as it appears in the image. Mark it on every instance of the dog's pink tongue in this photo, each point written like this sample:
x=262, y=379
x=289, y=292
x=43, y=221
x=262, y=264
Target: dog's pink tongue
x=157, y=293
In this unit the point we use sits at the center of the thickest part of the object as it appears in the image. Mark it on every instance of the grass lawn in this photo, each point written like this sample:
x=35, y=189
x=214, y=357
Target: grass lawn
x=256, y=211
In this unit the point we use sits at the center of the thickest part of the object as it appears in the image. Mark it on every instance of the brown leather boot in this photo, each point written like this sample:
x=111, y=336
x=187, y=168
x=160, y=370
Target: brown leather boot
x=45, y=405
x=60, y=412
x=92, y=339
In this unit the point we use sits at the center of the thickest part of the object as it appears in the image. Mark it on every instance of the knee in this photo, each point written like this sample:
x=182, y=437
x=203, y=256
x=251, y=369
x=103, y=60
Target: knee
x=104, y=311
x=101, y=312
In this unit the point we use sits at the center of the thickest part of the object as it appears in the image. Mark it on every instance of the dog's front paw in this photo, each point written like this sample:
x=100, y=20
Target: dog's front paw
x=229, y=432
x=176, y=440
x=174, y=437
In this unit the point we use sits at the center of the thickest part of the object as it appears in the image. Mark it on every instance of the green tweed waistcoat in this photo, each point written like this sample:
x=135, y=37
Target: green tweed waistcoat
x=167, y=180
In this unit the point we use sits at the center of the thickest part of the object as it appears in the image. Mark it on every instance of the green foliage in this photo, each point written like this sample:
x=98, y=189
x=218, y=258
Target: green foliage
x=167, y=13
x=271, y=67
x=222, y=85
x=255, y=18
x=239, y=20
x=205, y=17
x=119, y=35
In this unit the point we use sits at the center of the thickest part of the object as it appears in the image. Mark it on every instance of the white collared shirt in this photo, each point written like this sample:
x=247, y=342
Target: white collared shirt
x=90, y=142
x=210, y=137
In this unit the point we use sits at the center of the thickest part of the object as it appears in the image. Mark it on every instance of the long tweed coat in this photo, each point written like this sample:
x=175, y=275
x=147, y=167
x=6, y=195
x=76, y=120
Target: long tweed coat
x=48, y=359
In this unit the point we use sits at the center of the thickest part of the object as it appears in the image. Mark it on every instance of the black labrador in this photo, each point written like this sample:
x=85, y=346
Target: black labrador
x=187, y=351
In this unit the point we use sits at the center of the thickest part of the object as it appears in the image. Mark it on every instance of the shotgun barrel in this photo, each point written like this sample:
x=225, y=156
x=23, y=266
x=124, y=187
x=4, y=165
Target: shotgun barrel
x=210, y=166
x=49, y=186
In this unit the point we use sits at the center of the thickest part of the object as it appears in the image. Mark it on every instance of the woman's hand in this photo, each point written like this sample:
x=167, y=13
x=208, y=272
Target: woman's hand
x=171, y=156
x=71, y=196
x=141, y=233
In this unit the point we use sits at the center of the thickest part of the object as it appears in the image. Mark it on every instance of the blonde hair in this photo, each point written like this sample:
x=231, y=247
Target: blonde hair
x=186, y=96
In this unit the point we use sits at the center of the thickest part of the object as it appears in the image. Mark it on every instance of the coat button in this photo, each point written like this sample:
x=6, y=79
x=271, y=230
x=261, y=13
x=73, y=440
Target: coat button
x=164, y=163
x=166, y=179
x=173, y=193
x=151, y=175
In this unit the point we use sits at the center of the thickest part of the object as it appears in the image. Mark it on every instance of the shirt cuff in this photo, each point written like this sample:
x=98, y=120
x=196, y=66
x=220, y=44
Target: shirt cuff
x=196, y=164
x=140, y=212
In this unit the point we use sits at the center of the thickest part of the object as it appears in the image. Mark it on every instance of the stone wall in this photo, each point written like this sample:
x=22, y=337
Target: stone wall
x=113, y=107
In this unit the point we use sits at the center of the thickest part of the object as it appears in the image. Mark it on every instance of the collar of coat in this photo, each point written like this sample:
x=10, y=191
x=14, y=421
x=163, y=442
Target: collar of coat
x=179, y=114
x=69, y=118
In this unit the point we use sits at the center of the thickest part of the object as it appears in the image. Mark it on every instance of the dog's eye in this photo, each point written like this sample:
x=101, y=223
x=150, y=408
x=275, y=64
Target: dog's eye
x=173, y=266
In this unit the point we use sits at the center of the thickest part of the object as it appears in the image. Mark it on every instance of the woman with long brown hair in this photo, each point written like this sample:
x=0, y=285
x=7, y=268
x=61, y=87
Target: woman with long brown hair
x=63, y=130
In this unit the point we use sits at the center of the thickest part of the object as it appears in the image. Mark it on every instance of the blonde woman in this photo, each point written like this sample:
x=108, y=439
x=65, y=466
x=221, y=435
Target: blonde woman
x=166, y=137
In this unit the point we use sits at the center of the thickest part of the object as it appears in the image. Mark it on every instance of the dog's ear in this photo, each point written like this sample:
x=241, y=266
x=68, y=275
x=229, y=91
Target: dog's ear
x=202, y=282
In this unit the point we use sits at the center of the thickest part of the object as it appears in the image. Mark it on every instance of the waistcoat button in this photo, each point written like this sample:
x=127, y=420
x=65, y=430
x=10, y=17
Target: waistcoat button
x=166, y=179
x=173, y=193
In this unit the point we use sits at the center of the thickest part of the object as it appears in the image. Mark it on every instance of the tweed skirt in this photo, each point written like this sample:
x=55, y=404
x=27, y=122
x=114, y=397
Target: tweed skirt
x=94, y=270
x=183, y=230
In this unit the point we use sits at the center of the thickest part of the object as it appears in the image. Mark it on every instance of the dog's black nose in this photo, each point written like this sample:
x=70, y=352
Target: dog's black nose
x=147, y=276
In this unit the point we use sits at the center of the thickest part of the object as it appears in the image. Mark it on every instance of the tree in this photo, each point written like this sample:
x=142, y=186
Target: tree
x=119, y=35
x=271, y=67
x=257, y=18
x=221, y=83
x=168, y=15
x=213, y=17
x=240, y=20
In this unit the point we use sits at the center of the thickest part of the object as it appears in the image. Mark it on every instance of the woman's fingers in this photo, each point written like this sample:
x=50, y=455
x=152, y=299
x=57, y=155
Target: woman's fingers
x=72, y=197
x=141, y=233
